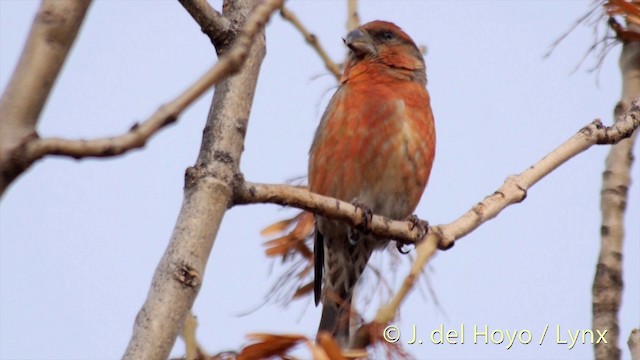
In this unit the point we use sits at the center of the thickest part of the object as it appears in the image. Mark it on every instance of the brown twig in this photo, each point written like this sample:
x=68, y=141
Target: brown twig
x=604, y=39
x=312, y=40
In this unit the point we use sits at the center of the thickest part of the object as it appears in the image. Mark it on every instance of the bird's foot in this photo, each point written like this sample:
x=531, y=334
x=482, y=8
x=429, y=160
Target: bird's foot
x=422, y=225
x=363, y=226
x=423, y=229
x=367, y=216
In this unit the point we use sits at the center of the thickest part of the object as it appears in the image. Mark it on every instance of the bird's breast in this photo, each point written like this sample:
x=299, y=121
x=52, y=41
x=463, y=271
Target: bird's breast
x=376, y=144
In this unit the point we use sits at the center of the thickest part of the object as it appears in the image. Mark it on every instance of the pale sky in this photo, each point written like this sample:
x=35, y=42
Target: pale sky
x=79, y=240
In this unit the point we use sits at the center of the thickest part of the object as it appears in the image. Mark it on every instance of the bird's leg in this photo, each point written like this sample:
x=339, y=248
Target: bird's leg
x=422, y=225
x=363, y=226
x=423, y=229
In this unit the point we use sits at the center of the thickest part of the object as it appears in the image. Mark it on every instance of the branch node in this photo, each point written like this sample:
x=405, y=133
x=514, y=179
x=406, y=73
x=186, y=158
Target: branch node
x=513, y=182
x=478, y=209
x=223, y=157
x=192, y=174
x=187, y=276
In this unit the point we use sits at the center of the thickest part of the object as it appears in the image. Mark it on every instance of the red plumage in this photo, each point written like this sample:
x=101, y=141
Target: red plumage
x=375, y=144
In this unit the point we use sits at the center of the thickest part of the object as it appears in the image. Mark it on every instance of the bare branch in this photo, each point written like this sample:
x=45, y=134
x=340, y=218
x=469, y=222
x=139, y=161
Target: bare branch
x=217, y=27
x=168, y=113
x=207, y=192
x=594, y=11
x=512, y=191
x=616, y=179
x=312, y=40
x=353, y=19
x=250, y=193
x=139, y=134
x=52, y=34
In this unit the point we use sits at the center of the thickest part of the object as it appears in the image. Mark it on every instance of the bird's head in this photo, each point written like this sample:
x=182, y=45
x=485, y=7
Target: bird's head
x=382, y=42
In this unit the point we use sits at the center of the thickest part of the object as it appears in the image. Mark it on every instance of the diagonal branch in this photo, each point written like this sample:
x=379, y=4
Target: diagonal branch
x=52, y=34
x=513, y=191
x=312, y=40
x=588, y=136
x=139, y=134
x=167, y=114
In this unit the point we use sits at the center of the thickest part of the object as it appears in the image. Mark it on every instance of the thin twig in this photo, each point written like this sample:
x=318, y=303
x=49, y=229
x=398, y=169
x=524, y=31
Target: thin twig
x=168, y=113
x=312, y=40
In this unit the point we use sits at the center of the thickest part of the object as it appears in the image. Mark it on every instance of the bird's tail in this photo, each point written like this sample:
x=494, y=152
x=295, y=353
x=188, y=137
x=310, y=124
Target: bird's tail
x=343, y=265
x=336, y=316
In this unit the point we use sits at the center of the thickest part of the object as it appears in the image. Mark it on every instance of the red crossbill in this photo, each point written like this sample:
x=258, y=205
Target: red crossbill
x=375, y=145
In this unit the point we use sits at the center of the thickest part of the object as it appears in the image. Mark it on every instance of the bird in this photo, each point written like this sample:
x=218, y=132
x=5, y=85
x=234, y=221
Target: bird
x=375, y=147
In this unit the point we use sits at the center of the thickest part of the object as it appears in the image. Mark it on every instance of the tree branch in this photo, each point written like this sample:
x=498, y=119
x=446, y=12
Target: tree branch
x=616, y=178
x=35, y=148
x=353, y=19
x=52, y=34
x=217, y=27
x=137, y=136
x=207, y=192
x=513, y=191
x=312, y=40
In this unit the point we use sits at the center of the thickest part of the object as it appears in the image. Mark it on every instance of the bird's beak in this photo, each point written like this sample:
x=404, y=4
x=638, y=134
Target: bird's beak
x=360, y=44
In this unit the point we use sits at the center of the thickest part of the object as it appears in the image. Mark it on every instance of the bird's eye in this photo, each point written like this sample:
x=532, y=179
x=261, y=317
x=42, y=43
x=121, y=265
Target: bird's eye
x=386, y=35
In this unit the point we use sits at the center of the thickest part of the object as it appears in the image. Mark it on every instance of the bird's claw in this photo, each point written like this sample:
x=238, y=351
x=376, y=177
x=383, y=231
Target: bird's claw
x=367, y=216
x=353, y=236
x=423, y=229
x=363, y=226
x=399, y=246
x=422, y=225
